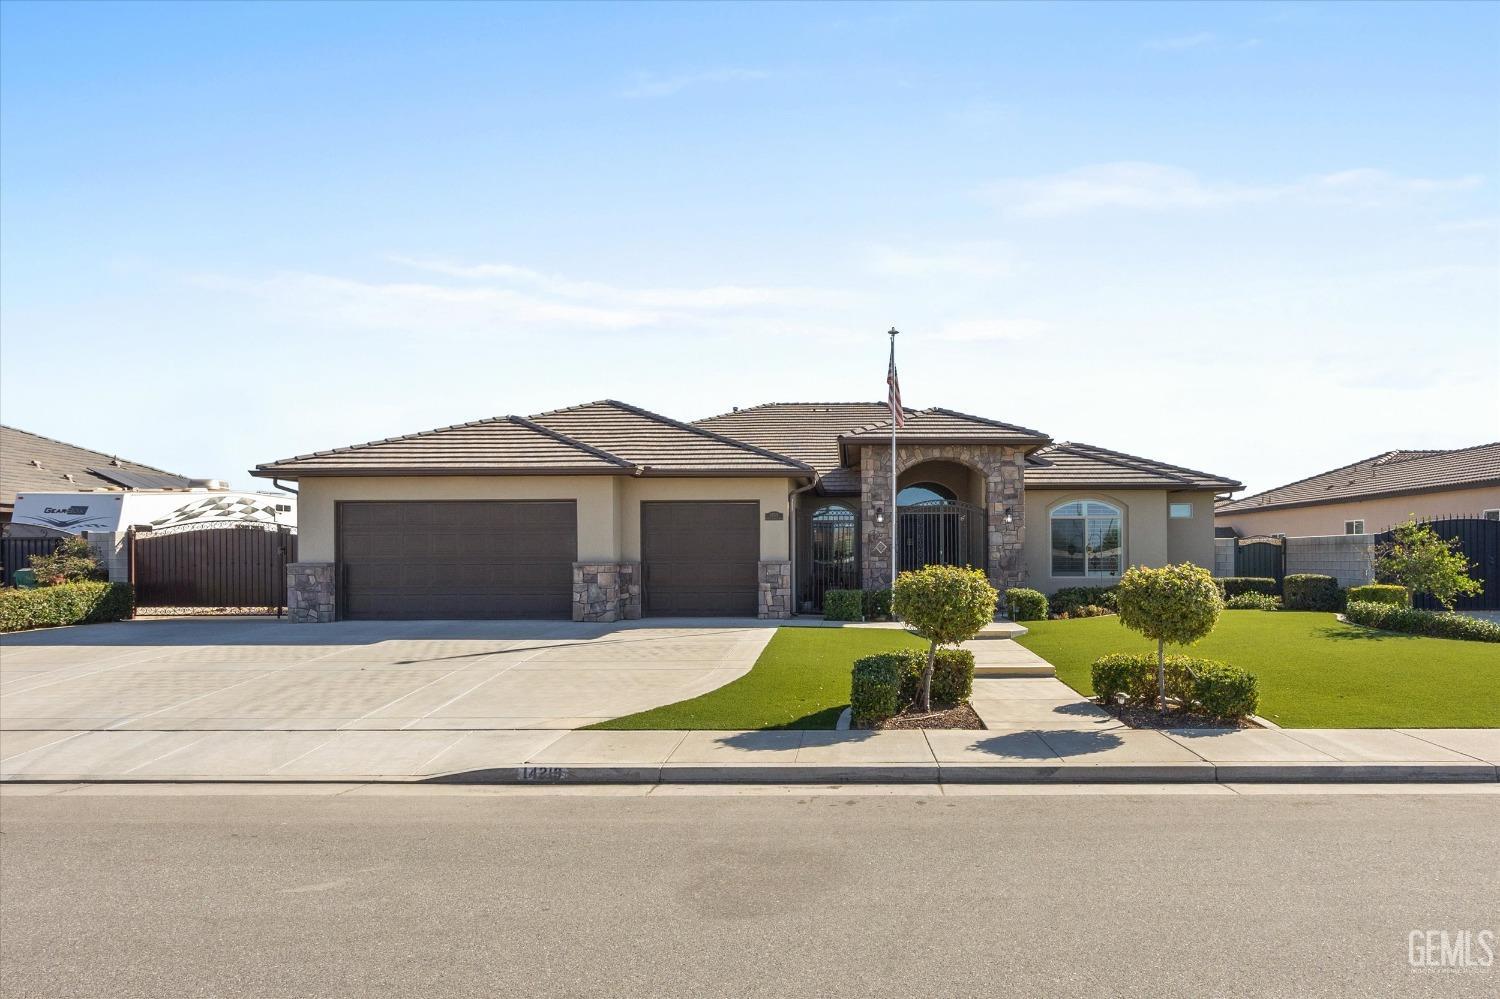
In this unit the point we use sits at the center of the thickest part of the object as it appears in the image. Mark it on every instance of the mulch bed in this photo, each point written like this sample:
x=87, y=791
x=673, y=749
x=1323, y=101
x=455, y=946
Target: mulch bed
x=962, y=716
x=1137, y=717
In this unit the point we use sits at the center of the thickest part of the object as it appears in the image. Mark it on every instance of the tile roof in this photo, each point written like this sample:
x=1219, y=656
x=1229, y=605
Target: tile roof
x=1390, y=474
x=1068, y=464
x=937, y=422
x=500, y=445
x=664, y=445
x=33, y=463
x=807, y=431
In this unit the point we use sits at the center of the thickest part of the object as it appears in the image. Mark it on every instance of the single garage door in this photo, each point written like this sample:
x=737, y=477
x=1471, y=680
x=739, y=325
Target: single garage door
x=700, y=558
x=462, y=559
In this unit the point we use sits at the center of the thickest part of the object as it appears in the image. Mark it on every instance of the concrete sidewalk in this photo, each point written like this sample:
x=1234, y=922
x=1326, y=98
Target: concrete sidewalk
x=1083, y=752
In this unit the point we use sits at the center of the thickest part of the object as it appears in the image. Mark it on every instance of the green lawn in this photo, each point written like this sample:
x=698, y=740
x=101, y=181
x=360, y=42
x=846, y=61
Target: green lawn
x=801, y=680
x=1314, y=672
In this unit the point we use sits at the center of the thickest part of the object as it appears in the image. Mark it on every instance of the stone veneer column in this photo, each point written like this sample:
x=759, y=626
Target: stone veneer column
x=630, y=591
x=310, y=594
x=775, y=589
x=596, y=591
x=875, y=539
x=1005, y=489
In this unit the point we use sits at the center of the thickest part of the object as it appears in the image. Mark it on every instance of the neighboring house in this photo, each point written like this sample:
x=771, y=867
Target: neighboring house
x=33, y=463
x=607, y=511
x=1371, y=495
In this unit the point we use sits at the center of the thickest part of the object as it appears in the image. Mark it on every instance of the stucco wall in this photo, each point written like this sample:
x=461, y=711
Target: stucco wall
x=609, y=514
x=1146, y=539
x=1192, y=539
x=1378, y=514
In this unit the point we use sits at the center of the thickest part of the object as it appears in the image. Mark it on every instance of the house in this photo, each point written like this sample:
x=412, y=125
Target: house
x=1373, y=494
x=33, y=463
x=607, y=511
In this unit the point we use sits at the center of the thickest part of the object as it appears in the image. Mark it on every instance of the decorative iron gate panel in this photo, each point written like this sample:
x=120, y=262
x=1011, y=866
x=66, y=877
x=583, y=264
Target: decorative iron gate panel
x=1263, y=557
x=942, y=533
x=1479, y=542
x=834, y=566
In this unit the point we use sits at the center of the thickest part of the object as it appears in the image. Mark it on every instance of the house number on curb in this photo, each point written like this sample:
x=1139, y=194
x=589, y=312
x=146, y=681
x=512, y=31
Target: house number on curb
x=543, y=774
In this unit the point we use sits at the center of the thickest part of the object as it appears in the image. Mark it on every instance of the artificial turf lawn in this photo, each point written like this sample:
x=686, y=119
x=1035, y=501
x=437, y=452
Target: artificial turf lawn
x=1314, y=671
x=801, y=680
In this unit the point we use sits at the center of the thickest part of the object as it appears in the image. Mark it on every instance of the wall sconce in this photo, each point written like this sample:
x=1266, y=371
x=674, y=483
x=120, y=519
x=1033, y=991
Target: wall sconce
x=880, y=515
x=1008, y=518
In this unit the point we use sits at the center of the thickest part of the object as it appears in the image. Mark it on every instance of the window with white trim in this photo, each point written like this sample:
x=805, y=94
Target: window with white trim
x=1087, y=539
x=1180, y=511
x=1354, y=527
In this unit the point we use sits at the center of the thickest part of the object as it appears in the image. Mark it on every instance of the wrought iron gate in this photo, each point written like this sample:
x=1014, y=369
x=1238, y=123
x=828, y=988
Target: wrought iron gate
x=212, y=567
x=833, y=563
x=1263, y=557
x=942, y=532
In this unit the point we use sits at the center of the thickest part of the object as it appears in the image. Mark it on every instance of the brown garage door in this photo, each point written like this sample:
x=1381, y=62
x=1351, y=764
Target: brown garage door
x=700, y=559
x=468, y=559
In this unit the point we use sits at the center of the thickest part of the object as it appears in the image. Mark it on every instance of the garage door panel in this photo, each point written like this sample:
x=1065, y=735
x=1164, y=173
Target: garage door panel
x=458, y=559
x=700, y=558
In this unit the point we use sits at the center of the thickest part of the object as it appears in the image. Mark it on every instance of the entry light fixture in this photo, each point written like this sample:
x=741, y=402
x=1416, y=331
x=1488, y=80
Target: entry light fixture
x=880, y=515
x=1008, y=518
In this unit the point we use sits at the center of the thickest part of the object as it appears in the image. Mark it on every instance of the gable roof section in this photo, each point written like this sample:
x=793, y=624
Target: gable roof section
x=1392, y=473
x=947, y=424
x=33, y=463
x=502, y=445
x=806, y=431
x=665, y=446
x=1070, y=465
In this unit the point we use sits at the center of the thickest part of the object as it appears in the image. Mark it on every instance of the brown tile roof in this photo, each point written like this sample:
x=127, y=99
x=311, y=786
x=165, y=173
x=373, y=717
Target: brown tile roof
x=664, y=445
x=807, y=431
x=1068, y=464
x=1393, y=473
x=924, y=424
x=33, y=463
x=501, y=445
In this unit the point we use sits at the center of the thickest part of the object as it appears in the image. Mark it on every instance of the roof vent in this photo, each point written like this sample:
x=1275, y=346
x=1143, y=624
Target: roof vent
x=35, y=463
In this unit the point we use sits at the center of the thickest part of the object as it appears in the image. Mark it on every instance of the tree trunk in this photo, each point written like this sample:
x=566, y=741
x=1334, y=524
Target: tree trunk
x=1161, y=676
x=926, y=694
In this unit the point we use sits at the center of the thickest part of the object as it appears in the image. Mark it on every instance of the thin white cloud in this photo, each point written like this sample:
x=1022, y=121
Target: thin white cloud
x=986, y=259
x=649, y=85
x=1181, y=42
x=1157, y=186
x=983, y=330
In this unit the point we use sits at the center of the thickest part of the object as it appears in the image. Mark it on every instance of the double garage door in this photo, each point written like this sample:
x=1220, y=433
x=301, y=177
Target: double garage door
x=492, y=559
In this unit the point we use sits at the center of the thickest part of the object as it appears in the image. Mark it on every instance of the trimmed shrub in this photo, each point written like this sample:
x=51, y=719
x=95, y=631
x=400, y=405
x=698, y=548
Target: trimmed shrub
x=1068, y=599
x=1085, y=610
x=875, y=687
x=1379, y=593
x=877, y=605
x=1251, y=600
x=946, y=605
x=1204, y=685
x=1175, y=603
x=1224, y=691
x=1233, y=586
x=952, y=678
x=1410, y=621
x=72, y=561
x=1311, y=592
x=65, y=603
x=843, y=605
x=1022, y=604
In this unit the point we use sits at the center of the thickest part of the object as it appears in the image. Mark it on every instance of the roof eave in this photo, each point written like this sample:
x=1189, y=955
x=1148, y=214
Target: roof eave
x=1384, y=493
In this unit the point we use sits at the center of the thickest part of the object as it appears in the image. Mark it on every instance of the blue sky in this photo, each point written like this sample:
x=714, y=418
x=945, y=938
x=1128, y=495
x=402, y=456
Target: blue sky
x=1258, y=239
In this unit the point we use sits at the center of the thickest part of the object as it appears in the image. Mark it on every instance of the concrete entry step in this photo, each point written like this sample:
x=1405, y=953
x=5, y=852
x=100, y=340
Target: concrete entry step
x=1006, y=658
x=1001, y=629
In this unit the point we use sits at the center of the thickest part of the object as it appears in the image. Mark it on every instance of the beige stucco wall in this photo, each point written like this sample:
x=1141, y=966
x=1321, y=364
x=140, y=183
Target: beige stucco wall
x=966, y=484
x=1191, y=539
x=1146, y=536
x=609, y=515
x=770, y=493
x=1378, y=514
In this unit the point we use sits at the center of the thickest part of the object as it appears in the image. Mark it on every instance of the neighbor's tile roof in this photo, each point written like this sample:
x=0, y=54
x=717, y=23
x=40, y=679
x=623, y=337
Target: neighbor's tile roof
x=503, y=444
x=1068, y=464
x=1390, y=474
x=663, y=444
x=32, y=463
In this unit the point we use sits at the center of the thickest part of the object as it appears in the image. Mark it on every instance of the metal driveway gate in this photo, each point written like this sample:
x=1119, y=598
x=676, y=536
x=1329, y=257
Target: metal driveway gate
x=211, y=567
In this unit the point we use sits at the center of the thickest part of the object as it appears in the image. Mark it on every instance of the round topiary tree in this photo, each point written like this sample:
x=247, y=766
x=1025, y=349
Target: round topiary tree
x=944, y=604
x=1176, y=603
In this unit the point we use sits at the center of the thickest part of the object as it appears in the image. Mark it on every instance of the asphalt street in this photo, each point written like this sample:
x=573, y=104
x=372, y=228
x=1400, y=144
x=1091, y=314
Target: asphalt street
x=798, y=893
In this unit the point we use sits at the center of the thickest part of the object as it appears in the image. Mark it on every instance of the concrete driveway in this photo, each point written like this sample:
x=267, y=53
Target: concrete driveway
x=202, y=674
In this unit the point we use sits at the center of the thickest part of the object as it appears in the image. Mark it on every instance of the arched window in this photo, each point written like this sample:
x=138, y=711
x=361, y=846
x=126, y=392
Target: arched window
x=1087, y=539
x=924, y=492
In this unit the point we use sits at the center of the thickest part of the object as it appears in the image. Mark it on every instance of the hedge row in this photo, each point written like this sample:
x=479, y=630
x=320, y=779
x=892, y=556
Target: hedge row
x=1311, y=592
x=1379, y=593
x=1213, y=688
x=1251, y=600
x=1070, y=599
x=857, y=605
x=888, y=683
x=66, y=603
x=1233, y=586
x=1391, y=617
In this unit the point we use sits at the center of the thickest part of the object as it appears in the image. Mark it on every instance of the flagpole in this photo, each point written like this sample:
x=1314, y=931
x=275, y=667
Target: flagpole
x=895, y=508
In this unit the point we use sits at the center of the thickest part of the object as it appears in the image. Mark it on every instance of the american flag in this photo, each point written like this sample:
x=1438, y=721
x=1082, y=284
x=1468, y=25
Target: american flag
x=893, y=400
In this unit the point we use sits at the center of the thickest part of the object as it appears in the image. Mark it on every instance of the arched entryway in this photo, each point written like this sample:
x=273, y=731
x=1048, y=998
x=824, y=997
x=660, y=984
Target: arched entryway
x=937, y=525
x=833, y=556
